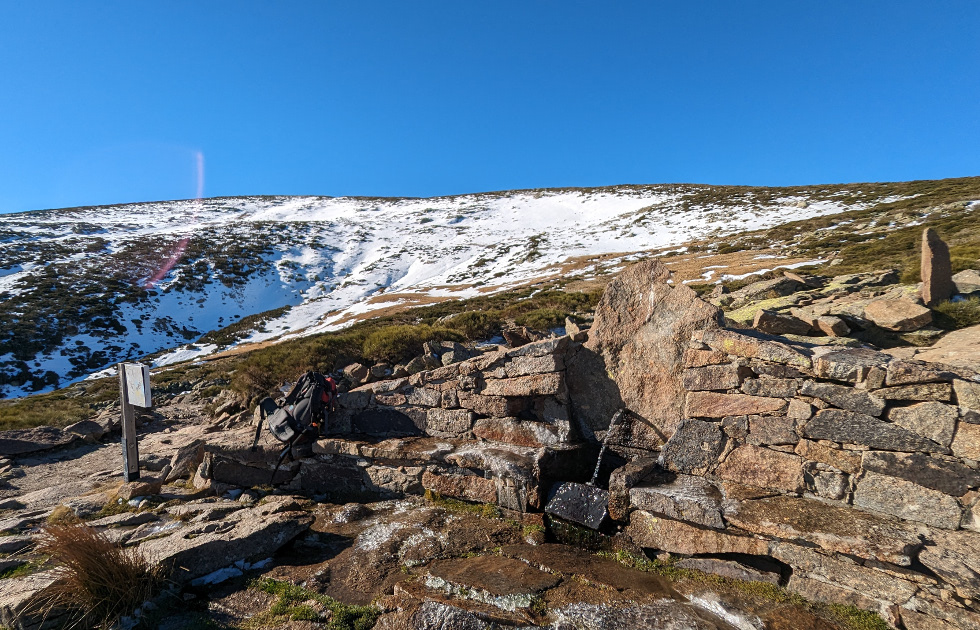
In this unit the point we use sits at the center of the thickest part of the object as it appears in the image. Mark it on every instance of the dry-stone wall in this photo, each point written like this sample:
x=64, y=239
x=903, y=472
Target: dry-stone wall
x=847, y=474
x=493, y=429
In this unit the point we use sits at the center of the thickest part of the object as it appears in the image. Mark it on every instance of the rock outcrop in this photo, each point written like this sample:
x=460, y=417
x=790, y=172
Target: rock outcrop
x=637, y=341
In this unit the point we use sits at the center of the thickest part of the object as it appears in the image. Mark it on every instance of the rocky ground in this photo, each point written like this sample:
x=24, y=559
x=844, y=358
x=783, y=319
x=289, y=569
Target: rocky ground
x=419, y=563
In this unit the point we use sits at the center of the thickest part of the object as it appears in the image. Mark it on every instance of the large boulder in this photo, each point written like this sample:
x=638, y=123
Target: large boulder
x=937, y=272
x=901, y=315
x=967, y=281
x=634, y=355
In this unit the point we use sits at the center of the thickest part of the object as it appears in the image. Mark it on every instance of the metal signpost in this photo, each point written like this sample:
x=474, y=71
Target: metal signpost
x=134, y=390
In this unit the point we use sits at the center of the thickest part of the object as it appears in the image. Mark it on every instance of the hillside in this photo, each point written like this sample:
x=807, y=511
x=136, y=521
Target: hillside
x=84, y=288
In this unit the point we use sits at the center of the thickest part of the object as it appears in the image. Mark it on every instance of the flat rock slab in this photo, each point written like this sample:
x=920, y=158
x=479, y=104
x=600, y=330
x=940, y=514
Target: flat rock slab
x=498, y=576
x=197, y=550
x=567, y=560
x=21, y=602
x=38, y=439
x=960, y=348
x=831, y=527
x=686, y=498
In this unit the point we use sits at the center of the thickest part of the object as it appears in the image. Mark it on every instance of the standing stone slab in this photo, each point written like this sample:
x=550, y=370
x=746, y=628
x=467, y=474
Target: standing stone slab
x=763, y=467
x=907, y=500
x=946, y=476
x=933, y=420
x=837, y=425
x=967, y=394
x=937, y=272
x=844, y=397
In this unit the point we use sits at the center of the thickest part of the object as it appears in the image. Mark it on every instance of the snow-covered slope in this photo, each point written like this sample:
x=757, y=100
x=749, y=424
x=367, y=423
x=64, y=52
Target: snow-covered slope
x=81, y=289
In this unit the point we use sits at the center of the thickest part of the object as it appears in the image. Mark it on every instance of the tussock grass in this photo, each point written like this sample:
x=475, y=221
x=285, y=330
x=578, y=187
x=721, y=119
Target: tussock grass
x=99, y=580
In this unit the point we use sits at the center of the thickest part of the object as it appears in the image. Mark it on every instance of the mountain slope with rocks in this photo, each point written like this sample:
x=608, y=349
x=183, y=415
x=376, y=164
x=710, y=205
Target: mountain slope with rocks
x=84, y=288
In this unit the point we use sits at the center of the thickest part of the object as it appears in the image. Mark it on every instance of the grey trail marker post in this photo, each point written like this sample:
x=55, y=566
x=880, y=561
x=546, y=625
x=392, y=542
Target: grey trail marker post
x=134, y=389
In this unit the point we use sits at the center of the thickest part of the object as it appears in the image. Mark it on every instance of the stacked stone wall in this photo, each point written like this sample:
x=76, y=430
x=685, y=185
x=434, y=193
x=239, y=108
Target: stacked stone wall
x=852, y=476
x=494, y=429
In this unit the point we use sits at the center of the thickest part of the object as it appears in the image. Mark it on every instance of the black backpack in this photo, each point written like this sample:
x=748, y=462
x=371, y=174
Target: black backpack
x=301, y=417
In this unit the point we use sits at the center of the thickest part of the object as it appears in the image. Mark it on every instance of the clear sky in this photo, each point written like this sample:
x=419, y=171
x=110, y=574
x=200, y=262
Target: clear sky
x=111, y=102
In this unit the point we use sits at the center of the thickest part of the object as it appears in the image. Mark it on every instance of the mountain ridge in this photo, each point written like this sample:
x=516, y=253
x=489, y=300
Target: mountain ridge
x=77, y=284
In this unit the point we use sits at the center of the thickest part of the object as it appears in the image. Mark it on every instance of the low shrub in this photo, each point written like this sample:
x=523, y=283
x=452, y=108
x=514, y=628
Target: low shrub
x=476, y=325
x=956, y=315
x=542, y=318
x=401, y=343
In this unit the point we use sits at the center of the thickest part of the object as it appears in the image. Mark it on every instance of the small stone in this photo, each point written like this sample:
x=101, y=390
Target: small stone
x=769, y=430
x=799, y=410
x=716, y=405
x=771, y=387
x=933, y=420
x=356, y=373
x=907, y=500
x=694, y=447
x=764, y=468
x=966, y=442
x=713, y=377
x=694, y=358
x=851, y=365
x=751, y=347
x=832, y=326
x=901, y=315
x=686, y=498
x=774, y=323
x=913, y=372
x=967, y=281
x=942, y=392
x=829, y=485
x=449, y=421
x=837, y=425
x=844, y=397
x=949, y=477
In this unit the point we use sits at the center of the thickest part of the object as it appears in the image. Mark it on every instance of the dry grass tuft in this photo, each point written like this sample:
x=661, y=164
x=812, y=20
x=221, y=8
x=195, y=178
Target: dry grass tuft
x=99, y=580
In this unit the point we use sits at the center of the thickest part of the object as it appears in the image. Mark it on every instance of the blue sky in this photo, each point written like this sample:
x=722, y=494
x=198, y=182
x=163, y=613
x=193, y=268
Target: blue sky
x=111, y=102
